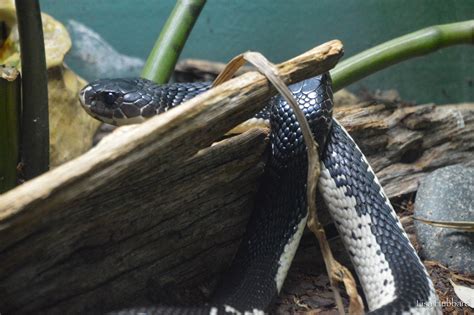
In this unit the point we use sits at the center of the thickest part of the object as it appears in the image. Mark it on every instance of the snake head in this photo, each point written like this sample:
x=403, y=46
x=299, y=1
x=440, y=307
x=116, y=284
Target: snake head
x=118, y=101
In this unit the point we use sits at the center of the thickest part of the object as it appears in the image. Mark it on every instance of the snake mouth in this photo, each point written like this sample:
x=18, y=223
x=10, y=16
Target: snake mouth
x=87, y=101
x=82, y=99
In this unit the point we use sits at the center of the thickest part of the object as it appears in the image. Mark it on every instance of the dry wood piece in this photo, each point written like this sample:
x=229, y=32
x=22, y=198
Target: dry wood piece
x=141, y=216
x=190, y=70
x=140, y=236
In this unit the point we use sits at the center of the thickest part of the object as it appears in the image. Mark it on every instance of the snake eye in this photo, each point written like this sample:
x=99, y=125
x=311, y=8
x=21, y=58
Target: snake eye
x=109, y=98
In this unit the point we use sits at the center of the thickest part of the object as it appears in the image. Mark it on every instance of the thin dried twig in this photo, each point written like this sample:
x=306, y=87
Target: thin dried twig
x=452, y=274
x=337, y=272
x=466, y=226
x=461, y=278
x=229, y=70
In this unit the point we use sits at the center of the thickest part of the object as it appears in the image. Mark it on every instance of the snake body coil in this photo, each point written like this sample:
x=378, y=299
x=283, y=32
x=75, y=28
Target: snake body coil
x=392, y=276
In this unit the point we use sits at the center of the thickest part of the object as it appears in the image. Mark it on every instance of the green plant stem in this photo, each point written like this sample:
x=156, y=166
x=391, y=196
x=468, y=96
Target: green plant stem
x=10, y=103
x=405, y=47
x=164, y=55
x=34, y=143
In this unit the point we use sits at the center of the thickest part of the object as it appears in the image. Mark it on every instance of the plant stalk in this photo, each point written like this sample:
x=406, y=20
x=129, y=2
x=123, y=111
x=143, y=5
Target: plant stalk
x=10, y=103
x=34, y=143
x=164, y=55
x=419, y=43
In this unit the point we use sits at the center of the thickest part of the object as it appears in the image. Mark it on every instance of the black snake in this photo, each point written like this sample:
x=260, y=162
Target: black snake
x=392, y=276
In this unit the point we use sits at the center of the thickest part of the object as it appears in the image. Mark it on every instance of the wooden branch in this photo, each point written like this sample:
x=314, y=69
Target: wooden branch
x=107, y=247
x=146, y=213
x=190, y=70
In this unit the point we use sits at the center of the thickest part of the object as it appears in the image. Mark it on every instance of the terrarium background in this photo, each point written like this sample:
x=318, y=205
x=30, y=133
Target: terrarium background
x=282, y=29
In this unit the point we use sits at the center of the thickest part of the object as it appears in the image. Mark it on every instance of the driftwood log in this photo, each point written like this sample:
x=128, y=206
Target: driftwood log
x=146, y=214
